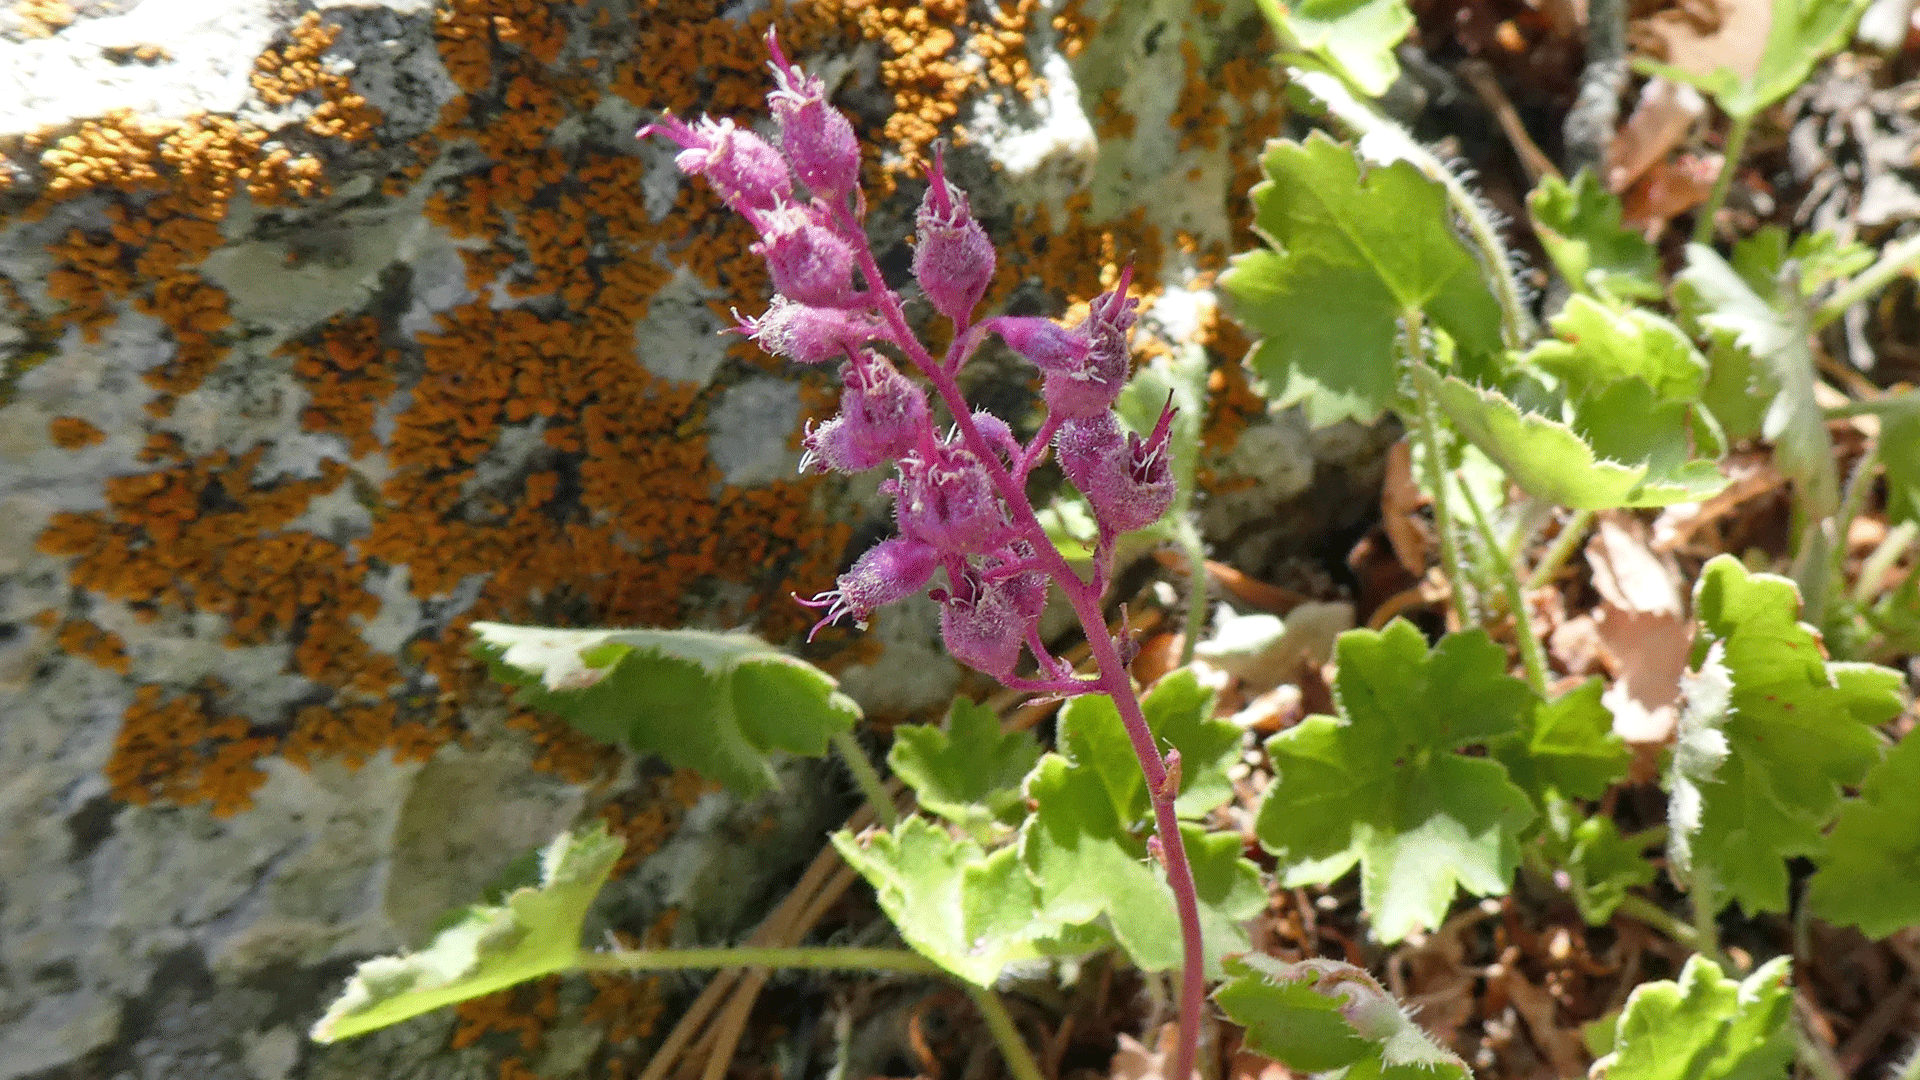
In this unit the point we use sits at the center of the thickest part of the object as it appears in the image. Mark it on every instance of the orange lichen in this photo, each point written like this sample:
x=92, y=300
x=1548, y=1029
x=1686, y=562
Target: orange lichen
x=522, y=1011
x=176, y=749
x=43, y=18
x=348, y=374
x=98, y=644
x=74, y=433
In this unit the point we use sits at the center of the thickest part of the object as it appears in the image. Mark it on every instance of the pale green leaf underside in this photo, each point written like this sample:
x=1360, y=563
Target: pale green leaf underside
x=1316, y=1016
x=1356, y=36
x=714, y=703
x=535, y=932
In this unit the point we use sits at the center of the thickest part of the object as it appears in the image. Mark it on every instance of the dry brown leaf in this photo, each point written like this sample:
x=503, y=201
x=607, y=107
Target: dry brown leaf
x=1669, y=188
x=1648, y=654
x=1702, y=36
x=1661, y=120
x=1400, y=503
x=1559, y=1043
x=1133, y=1061
x=1575, y=644
x=1628, y=573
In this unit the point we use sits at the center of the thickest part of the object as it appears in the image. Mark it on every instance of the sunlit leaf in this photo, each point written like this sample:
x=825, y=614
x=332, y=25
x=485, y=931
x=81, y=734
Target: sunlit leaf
x=1317, y=1016
x=1705, y=1026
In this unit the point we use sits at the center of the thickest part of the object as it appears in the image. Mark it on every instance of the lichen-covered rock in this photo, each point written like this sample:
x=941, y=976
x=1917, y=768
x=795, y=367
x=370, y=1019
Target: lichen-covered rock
x=328, y=330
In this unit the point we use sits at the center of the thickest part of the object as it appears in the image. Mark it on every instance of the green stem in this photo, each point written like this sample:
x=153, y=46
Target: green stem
x=1894, y=261
x=1639, y=907
x=1530, y=653
x=817, y=958
x=1429, y=435
x=1895, y=405
x=864, y=775
x=1574, y=531
x=1703, y=228
x=1188, y=537
x=1006, y=1035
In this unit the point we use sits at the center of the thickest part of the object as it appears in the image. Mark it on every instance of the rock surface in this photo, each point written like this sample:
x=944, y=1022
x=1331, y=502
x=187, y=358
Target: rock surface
x=326, y=334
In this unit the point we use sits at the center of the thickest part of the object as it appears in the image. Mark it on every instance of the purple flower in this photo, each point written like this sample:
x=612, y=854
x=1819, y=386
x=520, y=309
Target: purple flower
x=1127, y=481
x=747, y=173
x=983, y=624
x=809, y=335
x=883, y=416
x=818, y=140
x=807, y=260
x=890, y=570
x=945, y=498
x=1091, y=387
x=1042, y=342
x=953, y=259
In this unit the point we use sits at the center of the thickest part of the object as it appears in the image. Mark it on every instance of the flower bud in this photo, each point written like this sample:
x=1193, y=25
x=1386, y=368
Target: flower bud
x=883, y=415
x=998, y=435
x=949, y=501
x=1127, y=481
x=1042, y=342
x=745, y=172
x=982, y=626
x=953, y=260
x=818, y=140
x=809, y=335
x=807, y=261
x=890, y=570
x=1096, y=383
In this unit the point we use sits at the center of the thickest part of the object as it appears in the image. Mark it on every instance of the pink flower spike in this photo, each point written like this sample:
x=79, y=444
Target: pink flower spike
x=744, y=170
x=818, y=140
x=890, y=570
x=806, y=259
x=953, y=260
x=808, y=335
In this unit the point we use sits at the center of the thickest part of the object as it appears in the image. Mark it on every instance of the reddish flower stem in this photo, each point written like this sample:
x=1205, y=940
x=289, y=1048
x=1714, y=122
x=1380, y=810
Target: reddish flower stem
x=1113, y=680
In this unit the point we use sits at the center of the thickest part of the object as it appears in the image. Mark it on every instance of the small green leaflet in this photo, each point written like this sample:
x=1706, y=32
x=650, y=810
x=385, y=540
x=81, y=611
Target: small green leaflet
x=1704, y=1027
x=1552, y=462
x=1316, y=1016
x=1382, y=785
x=535, y=932
x=1867, y=876
x=1579, y=225
x=1900, y=449
x=1089, y=866
x=1801, y=34
x=971, y=912
x=1353, y=251
x=1568, y=746
x=1597, y=346
x=1354, y=37
x=1179, y=711
x=1821, y=258
x=1770, y=733
x=969, y=773
x=713, y=703
x=1776, y=336
x=1600, y=864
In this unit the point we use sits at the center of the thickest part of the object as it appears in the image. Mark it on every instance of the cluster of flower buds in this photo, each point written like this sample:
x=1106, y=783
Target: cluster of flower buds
x=959, y=497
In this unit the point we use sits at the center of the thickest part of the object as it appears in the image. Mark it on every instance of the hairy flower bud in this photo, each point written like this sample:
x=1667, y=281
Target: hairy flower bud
x=998, y=435
x=745, y=172
x=807, y=261
x=948, y=501
x=982, y=625
x=883, y=415
x=953, y=259
x=1127, y=481
x=1092, y=387
x=1042, y=342
x=809, y=335
x=818, y=140
x=890, y=570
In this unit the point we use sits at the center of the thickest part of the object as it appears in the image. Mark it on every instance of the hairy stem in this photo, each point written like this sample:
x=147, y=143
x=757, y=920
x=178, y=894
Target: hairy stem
x=1428, y=424
x=1897, y=259
x=864, y=775
x=1523, y=636
x=1006, y=1034
x=1084, y=596
x=1574, y=531
x=1703, y=227
x=818, y=958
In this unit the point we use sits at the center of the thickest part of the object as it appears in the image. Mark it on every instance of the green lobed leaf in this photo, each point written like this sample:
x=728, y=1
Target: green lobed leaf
x=970, y=911
x=1598, y=346
x=1355, y=37
x=1353, y=251
x=1776, y=335
x=1552, y=462
x=1800, y=35
x=1317, y=1016
x=1088, y=867
x=1770, y=733
x=970, y=772
x=713, y=703
x=1568, y=745
x=1821, y=258
x=1579, y=225
x=534, y=932
x=1705, y=1026
x=1867, y=875
x=1179, y=712
x=1382, y=786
